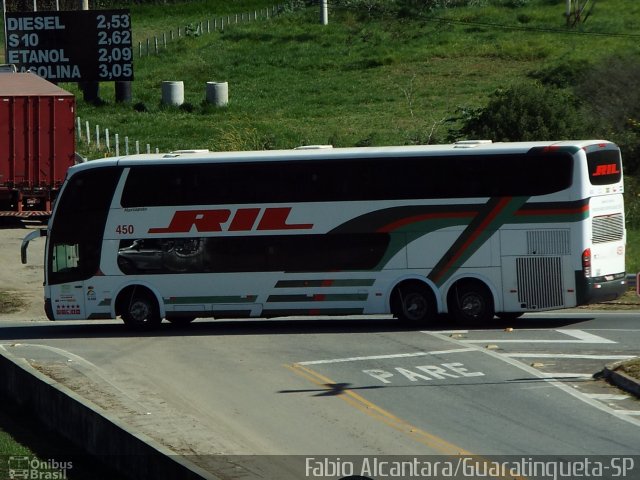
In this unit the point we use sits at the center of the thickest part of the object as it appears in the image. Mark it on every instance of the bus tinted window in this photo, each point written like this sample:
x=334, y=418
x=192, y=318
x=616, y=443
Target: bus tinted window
x=273, y=253
x=458, y=176
x=605, y=167
x=81, y=215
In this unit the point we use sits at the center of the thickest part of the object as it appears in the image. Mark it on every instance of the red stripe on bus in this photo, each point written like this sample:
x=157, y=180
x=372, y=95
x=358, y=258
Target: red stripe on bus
x=552, y=211
x=419, y=218
x=476, y=233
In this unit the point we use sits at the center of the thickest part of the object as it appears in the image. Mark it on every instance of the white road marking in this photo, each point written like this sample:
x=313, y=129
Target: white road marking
x=585, y=337
x=537, y=373
x=569, y=355
x=384, y=357
x=431, y=371
x=606, y=396
x=580, y=336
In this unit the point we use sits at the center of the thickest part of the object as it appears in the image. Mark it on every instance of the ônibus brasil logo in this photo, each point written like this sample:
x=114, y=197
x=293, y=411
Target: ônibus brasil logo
x=32, y=468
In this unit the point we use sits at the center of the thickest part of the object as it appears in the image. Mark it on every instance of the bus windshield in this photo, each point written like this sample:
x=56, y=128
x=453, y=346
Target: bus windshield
x=75, y=242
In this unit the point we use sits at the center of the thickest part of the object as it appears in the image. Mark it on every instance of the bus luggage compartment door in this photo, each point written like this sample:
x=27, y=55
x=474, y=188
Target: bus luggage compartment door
x=68, y=300
x=536, y=282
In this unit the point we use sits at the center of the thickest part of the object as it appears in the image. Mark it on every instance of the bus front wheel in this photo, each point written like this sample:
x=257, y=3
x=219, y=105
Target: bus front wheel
x=141, y=311
x=413, y=302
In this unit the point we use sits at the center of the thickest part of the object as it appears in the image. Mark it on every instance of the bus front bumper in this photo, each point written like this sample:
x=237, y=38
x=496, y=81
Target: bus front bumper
x=48, y=308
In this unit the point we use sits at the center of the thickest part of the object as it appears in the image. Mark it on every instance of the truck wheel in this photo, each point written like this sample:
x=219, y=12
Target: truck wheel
x=141, y=311
x=414, y=303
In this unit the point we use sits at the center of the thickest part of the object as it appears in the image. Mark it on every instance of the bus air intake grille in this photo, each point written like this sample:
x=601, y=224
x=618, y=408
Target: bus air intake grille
x=540, y=283
x=608, y=228
x=548, y=242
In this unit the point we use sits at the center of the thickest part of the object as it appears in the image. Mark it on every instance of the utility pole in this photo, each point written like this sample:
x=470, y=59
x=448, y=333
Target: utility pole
x=324, y=12
x=90, y=89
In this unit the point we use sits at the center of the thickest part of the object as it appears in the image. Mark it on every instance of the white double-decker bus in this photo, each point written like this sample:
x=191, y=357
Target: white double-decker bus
x=472, y=229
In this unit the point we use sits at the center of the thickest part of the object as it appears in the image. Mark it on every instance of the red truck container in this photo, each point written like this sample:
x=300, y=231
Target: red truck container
x=37, y=143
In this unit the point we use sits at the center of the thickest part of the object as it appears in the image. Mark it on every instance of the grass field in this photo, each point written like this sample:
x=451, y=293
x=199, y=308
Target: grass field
x=361, y=80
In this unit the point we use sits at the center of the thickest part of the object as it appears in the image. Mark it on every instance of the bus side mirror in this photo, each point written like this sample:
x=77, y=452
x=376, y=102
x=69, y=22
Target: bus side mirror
x=42, y=232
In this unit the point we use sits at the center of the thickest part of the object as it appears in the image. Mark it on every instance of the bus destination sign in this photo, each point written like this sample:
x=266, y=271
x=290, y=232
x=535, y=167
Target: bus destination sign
x=80, y=45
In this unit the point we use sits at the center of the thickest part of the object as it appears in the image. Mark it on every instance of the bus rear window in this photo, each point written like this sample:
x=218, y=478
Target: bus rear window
x=605, y=167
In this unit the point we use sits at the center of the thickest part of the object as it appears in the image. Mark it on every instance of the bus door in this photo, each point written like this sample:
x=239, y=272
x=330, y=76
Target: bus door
x=68, y=297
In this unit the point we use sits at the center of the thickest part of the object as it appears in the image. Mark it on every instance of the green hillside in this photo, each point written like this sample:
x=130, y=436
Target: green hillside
x=381, y=72
x=377, y=74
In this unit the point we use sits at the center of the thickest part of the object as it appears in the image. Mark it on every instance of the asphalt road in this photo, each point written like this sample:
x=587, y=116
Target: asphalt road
x=353, y=386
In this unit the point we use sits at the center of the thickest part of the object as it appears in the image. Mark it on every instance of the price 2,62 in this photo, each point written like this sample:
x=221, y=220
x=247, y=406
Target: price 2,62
x=115, y=38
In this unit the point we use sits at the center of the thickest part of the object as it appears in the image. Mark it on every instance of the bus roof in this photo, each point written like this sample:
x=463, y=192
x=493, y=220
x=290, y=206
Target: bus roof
x=327, y=152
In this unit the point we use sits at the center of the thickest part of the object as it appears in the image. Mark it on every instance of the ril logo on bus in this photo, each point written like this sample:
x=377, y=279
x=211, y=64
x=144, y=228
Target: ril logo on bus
x=606, y=169
x=226, y=220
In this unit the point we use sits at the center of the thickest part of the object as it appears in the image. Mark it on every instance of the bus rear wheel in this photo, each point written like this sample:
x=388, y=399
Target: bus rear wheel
x=509, y=316
x=471, y=302
x=141, y=311
x=413, y=302
x=180, y=321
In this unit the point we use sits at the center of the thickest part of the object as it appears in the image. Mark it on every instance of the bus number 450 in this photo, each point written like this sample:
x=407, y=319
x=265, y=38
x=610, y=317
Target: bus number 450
x=125, y=229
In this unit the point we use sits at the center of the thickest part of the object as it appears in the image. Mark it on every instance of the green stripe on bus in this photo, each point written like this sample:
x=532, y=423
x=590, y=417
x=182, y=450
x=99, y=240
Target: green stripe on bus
x=314, y=311
x=329, y=297
x=552, y=212
x=404, y=231
x=356, y=282
x=496, y=213
x=209, y=299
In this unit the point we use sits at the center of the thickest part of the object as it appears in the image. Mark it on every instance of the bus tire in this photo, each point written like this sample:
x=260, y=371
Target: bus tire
x=509, y=316
x=413, y=302
x=179, y=321
x=141, y=311
x=470, y=302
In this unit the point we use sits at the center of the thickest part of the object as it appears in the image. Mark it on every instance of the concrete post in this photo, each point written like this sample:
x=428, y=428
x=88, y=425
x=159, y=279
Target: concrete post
x=218, y=93
x=173, y=93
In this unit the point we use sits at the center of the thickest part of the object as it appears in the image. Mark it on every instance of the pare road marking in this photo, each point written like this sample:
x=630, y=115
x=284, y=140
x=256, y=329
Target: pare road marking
x=444, y=371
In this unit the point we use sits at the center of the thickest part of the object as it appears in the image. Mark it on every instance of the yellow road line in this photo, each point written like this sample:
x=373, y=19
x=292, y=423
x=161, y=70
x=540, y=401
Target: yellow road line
x=378, y=413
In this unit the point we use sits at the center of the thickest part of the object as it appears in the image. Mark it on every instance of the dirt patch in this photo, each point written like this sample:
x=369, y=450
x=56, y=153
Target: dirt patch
x=21, y=294
x=631, y=368
x=10, y=302
x=629, y=301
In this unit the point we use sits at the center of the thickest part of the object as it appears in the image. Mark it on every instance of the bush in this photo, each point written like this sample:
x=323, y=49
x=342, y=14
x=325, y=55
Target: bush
x=525, y=112
x=608, y=90
x=567, y=74
x=632, y=201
